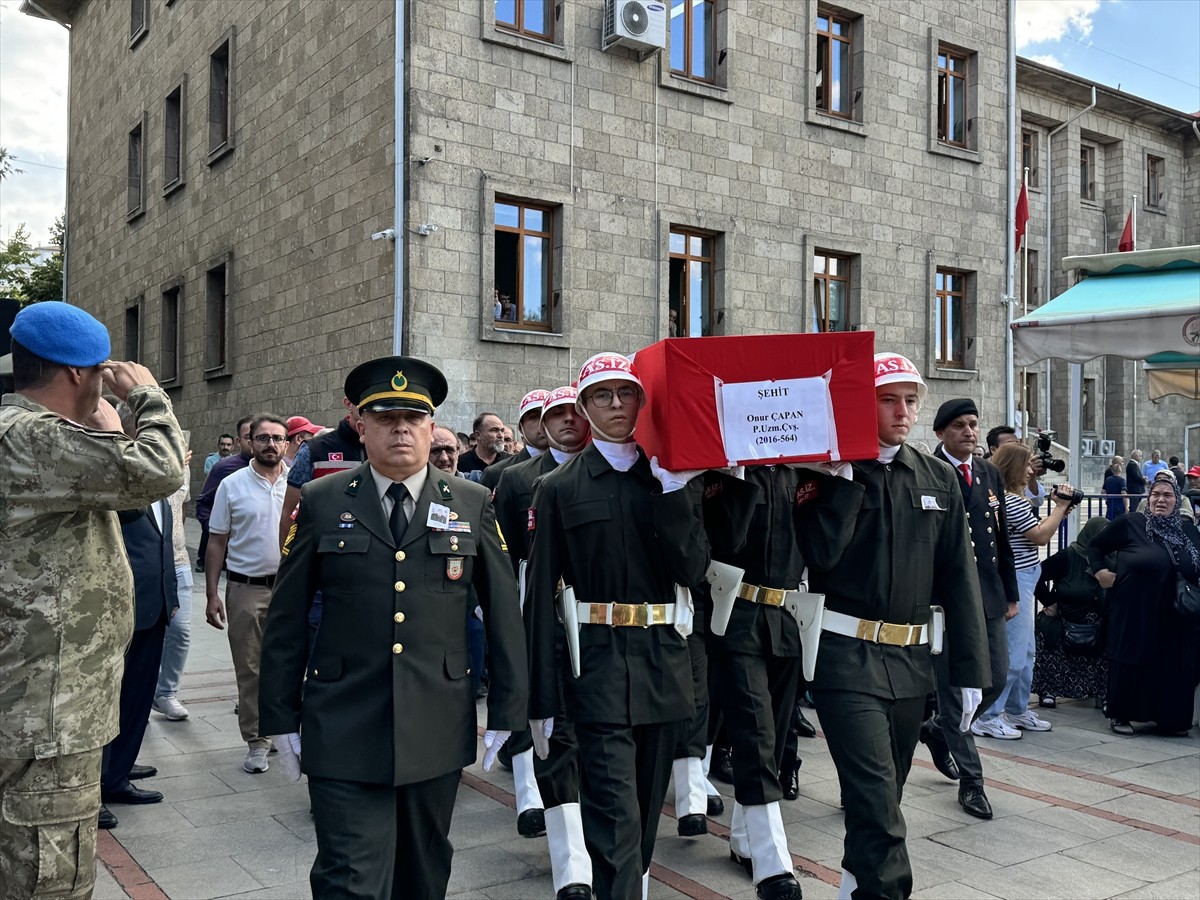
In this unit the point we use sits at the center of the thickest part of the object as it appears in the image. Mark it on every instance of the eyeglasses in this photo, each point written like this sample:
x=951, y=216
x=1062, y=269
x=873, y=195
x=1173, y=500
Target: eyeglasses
x=438, y=451
x=602, y=398
x=270, y=439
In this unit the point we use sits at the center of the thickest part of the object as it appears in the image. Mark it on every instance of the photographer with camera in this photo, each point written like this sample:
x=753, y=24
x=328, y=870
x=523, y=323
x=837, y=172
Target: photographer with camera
x=1040, y=461
x=1009, y=714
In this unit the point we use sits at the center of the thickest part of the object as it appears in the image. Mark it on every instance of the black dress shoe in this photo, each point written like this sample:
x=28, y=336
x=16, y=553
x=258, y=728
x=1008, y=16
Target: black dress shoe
x=975, y=802
x=780, y=887
x=692, y=826
x=574, y=892
x=107, y=819
x=142, y=772
x=789, y=780
x=801, y=725
x=716, y=805
x=743, y=861
x=130, y=794
x=939, y=750
x=721, y=767
x=531, y=823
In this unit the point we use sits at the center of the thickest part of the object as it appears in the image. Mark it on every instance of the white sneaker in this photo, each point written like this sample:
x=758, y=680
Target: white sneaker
x=995, y=728
x=256, y=760
x=170, y=707
x=1027, y=721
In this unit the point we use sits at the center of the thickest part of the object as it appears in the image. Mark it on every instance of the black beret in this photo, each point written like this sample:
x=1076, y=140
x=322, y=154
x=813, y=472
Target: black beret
x=396, y=382
x=951, y=410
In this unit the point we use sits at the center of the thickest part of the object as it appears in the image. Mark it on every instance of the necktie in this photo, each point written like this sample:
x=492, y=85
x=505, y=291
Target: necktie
x=397, y=521
x=965, y=468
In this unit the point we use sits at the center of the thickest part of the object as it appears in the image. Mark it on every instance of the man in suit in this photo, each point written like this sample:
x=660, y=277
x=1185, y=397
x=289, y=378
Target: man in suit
x=148, y=537
x=957, y=427
x=385, y=703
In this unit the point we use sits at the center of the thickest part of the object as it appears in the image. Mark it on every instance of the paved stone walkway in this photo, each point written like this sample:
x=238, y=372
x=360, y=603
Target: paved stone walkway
x=1080, y=813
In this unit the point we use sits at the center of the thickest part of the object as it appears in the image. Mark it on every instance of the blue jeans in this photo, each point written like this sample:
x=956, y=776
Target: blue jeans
x=178, y=637
x=1014, y=699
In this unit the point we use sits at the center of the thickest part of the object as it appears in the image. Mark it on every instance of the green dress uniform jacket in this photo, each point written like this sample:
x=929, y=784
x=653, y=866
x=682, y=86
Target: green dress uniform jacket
x=385, y=697
x=491, y=475
x=66, y=607
x=586, y=515
x=884, y=547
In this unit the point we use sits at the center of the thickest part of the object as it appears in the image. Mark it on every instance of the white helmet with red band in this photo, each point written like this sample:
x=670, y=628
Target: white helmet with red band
x=561, y=396
x=891, y=368
x=531, y=402
x=607, y=367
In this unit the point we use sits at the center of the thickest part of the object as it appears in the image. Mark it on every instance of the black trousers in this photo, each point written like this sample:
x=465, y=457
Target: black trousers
x=143, y=658
x=376, y=841
x=624, y=774
x=949, y=701
x=693, y=736
x=758, y=694
x=871, y=740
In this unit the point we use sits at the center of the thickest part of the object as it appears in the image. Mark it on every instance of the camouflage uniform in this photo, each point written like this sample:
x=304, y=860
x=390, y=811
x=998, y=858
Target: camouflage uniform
x=66, y=615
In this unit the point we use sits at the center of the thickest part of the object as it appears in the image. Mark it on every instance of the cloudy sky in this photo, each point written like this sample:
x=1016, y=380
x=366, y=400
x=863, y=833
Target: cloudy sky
x=1147, y=47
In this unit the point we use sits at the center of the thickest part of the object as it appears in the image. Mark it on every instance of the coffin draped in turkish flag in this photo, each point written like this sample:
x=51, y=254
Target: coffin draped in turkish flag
x=771, y=398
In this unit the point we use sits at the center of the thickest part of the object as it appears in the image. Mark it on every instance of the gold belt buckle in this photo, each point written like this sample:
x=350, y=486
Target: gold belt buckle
x=896, y=635
x=624, y=614
x=656, y=614
x=771, y=596
x=868, y=630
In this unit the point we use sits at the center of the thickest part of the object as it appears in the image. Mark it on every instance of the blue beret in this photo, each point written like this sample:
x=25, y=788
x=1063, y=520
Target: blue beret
x=61, y=333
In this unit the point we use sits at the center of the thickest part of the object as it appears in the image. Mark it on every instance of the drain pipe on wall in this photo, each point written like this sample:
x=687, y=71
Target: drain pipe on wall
x=398, y=231
x=1010, y=253
x=1050, y=229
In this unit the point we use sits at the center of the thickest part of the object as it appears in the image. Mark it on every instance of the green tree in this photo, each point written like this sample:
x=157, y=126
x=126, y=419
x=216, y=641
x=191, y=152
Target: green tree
x=45, y=280
x=15, y=256
x=6, y=166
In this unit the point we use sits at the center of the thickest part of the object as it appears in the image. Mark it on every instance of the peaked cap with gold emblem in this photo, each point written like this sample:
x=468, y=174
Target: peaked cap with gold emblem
x=396, y=382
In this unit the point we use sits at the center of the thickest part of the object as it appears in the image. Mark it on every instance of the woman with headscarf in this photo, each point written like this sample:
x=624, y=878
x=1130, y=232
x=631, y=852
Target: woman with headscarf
x=1153, y=664
x=1075, y=597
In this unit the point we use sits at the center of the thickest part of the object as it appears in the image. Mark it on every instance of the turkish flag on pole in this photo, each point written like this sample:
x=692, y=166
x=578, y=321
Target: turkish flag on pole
x=1022, y=215
x=1126, y=243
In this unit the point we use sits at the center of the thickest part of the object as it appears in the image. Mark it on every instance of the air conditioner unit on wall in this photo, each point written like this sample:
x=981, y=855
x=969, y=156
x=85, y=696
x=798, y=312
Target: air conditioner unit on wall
x=1088, y=447
x=1108, y=448
x=639, y=24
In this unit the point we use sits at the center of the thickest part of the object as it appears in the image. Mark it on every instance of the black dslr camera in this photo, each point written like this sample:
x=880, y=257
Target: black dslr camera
x=1043, y=452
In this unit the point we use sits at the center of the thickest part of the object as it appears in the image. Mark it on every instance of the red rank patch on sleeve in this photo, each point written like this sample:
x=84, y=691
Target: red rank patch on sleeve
x=805, y=492
x=531, y=522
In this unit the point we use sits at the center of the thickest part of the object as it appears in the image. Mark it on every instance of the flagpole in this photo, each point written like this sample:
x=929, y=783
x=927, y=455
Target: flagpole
x=1025, y=311
x=1135, y=221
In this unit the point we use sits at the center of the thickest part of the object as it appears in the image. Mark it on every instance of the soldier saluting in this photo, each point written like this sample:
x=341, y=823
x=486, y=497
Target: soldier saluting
x=883, y=544
x=385, y=703
x=594, y=529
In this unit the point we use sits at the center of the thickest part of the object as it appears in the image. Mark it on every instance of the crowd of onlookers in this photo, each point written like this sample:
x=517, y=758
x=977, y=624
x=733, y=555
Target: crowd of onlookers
x=1125, y=483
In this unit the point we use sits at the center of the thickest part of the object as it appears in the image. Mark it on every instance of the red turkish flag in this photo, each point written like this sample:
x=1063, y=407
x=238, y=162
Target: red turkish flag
x=1127, y=235
x=1022, y=216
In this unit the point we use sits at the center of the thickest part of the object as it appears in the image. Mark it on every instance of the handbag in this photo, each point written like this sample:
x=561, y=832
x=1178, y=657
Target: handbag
x=1187, y=594
x=1082, y=638
x=1050, y=628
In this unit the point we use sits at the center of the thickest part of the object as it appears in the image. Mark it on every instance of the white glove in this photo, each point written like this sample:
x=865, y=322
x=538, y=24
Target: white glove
x=836, y=469
x=971, y=698
x=288, y=746
x=541, y=729
x=492, y=742
x=671, y=481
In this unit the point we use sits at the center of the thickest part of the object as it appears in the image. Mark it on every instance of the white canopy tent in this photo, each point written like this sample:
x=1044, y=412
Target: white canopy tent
x=1135, y=305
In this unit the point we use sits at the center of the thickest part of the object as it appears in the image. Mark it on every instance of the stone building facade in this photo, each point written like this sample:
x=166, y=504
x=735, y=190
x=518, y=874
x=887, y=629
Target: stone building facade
x=781, y=165
x=1099, y=159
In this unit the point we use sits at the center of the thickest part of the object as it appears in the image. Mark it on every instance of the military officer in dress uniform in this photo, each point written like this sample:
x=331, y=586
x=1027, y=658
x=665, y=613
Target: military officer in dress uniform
x=953, y=750
x=594, y=529
x=883, y=545
x=557, y=775
x=385, y=704
x=529, y=421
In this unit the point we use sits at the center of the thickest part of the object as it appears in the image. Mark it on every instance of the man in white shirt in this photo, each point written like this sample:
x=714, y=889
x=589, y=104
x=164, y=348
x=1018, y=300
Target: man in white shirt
x=244, y=534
